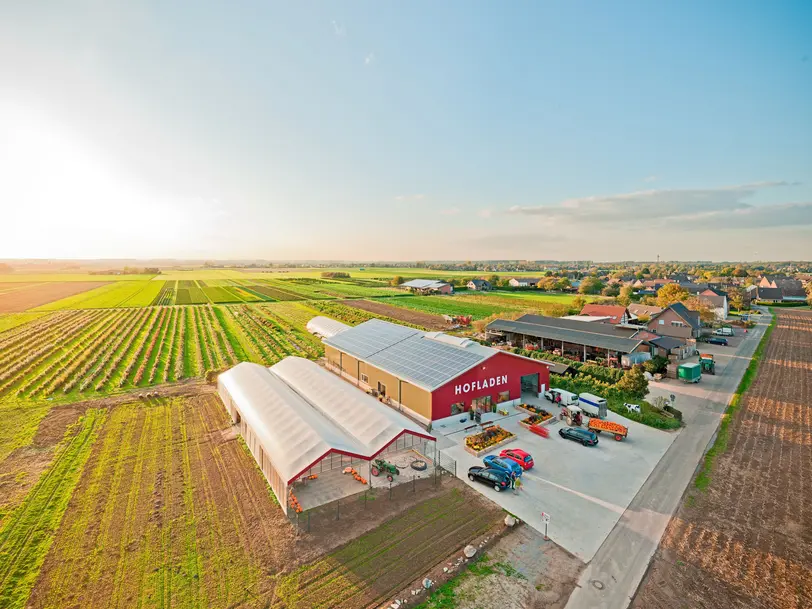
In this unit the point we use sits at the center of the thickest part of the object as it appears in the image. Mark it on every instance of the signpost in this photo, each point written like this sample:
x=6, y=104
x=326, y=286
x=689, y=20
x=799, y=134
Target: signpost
x=545, y=518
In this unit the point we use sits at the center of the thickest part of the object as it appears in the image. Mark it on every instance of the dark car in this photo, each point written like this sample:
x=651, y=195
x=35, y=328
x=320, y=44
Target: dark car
x=715, y=340
x=497, y=478
x=584, y=436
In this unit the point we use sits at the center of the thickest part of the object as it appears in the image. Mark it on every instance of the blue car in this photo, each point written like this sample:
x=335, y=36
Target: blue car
x=511, y=467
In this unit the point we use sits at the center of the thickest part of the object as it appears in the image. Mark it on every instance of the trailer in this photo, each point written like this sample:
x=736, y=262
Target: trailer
x=689, y=373
x=619, y=431
x=593, y=405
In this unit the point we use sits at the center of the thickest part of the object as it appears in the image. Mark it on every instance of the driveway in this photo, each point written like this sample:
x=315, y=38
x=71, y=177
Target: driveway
x=584, y=489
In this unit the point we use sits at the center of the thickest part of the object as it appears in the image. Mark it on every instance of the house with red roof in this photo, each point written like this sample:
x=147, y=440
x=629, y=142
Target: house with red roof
x=617, y=314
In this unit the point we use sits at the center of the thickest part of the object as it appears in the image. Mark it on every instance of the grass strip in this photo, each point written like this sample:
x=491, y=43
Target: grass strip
x=27, y=535
x=703, y=479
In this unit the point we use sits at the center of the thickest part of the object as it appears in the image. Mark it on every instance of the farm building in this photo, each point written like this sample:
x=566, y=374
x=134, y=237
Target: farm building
x=431, y=375
x=296, y=417
x=325, y=327
x=580, y=340
x=427, y=286
x=677, y=321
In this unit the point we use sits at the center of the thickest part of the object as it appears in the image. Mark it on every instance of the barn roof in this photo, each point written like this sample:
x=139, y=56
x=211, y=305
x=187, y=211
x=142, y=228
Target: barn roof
x=300, y=412
x=424, y=284
x=576, y=332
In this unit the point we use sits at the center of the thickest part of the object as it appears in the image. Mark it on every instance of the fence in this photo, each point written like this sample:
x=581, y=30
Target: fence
x=385, y=498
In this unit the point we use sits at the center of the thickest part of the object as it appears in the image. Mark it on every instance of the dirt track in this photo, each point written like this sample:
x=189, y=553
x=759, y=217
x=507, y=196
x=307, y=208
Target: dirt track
x=746, y=542
x=427, y=320
x=36, y=295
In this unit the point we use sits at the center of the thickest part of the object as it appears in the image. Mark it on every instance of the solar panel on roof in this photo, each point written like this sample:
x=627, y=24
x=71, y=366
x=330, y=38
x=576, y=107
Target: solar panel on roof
x=371, y=337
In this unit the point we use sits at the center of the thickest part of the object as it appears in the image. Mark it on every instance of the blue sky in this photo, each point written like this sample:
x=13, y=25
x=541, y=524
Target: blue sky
x=421, y=130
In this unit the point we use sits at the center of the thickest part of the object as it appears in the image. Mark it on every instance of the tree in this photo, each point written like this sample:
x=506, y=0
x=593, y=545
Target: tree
x=703, y=307
x=578, y=303
x=736, y=298
x=634, y=382
x=671, y=293
x=625, y=296
x=563, y=284
x=493, y=280
x=396, y=280
x=590, y=285
x=611, y=290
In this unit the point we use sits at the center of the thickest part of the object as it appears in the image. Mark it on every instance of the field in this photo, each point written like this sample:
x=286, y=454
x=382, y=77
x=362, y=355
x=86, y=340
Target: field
x=12, y=320
x=71, y=354
x=426, y=320
x=453, y=305
x=350, y=315
x=118, y=294
x=32, y=295
x=377, y=565
x=745, y=541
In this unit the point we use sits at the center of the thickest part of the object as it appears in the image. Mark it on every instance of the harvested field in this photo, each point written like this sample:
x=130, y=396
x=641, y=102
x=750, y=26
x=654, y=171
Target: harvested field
x=169, y=511
x=351, y=315
x=14, y=301
x=746, y=541
x=427, y=320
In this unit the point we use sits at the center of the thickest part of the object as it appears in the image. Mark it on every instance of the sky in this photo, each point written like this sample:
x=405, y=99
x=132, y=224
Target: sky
x=406, y=131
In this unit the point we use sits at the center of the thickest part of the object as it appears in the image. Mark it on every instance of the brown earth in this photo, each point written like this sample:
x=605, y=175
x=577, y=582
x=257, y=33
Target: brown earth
x=427, y=320
x=746, y=541
x=21, y=300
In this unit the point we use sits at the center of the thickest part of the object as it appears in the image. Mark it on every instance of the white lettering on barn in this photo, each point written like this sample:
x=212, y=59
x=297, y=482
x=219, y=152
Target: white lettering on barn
x=493, y=381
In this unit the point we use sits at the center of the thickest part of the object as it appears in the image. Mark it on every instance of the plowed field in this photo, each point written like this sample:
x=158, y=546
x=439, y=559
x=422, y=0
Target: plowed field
x=427, y=320
x=746, y=541
x=35, y=295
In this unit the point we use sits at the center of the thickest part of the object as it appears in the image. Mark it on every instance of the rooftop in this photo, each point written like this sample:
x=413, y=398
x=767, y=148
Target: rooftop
x=602, y=336
x=426, y=359
x=614, y=312
x=423, y=284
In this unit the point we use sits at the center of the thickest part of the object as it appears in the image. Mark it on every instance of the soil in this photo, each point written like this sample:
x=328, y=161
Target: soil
x=35, y=296
x=746, y=541
x=427, y=320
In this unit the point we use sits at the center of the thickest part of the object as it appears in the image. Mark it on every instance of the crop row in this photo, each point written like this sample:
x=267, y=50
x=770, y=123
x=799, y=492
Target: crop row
x=351, y=315
x=98, y=350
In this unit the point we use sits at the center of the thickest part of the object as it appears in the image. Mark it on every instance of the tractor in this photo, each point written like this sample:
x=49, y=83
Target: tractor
x=707, y=362
x=380, y=466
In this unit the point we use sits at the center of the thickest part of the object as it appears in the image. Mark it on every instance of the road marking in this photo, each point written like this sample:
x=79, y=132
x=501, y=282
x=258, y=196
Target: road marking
x=605, y=504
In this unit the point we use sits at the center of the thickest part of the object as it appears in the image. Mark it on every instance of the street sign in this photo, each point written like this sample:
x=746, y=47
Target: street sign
x=545, y=517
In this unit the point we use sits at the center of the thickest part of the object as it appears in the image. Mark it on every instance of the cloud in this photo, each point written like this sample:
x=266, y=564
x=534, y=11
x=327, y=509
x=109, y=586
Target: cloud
x=484, y=213
x=451, y=211
x=658, y=208
x=338, y=29
x=417, y=197
x=369, y=59
x=650, y=179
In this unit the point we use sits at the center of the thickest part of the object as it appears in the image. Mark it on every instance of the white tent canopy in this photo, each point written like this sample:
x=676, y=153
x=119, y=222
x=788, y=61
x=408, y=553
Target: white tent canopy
x=326, y=327
x=300, y=413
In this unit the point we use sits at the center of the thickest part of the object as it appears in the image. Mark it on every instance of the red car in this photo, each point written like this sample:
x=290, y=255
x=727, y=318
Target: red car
x=518, y=455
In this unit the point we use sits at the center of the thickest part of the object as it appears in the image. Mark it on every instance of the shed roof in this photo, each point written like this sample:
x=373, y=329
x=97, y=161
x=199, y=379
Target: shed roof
x=426, y=359
x=614, y=312
x=666, y=342
x=769, y=294
x=325, y=326
x=301, y=412
x=582, y=334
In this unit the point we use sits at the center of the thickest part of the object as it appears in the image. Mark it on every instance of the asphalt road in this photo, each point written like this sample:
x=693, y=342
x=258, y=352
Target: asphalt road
x=611, y=579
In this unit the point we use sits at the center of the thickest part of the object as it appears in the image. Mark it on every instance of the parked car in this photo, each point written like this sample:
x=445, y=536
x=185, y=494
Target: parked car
x=499, y=479
x=584, y=436
x=715, y=340
x=511, y=467
x=726, y=331
x=518, y=455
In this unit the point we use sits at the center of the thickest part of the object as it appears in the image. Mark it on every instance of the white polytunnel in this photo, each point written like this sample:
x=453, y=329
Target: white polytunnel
x=294, y=414
x=325, y=326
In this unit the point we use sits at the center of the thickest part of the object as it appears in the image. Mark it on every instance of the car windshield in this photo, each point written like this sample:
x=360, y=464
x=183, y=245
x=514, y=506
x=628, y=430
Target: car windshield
x=527, y=459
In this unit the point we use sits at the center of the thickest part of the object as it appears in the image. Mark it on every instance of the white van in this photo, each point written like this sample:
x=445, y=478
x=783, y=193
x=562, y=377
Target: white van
x=593, y=405
x=726, y=331
x=559, y=396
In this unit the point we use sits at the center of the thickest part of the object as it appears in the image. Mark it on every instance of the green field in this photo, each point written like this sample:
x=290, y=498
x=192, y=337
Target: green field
x=451, y=305
x=12, y=320
x=118, y=294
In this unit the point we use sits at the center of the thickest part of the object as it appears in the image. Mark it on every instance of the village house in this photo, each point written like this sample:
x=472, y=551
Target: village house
x=524, y=282
x=480, y=285
x=676, y=321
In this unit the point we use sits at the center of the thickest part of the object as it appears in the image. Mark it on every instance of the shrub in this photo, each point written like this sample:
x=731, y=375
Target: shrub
x=634, y=382
x=656, y=364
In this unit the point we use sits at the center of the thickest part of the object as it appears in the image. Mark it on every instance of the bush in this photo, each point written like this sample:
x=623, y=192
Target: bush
x=656, y=365
x=634, y=382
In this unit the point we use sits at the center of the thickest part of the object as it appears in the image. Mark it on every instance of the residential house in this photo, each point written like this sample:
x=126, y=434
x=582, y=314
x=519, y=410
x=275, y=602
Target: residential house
x=767, y=295
x=427, y=286
x=694, y=288
x=480, y=285
x=524, y=282
x=676, y=321
x=617, y=314
x=636, y=310
x=717, y=300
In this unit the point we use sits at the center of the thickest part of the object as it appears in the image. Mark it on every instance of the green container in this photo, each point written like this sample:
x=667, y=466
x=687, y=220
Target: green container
x=689, y=373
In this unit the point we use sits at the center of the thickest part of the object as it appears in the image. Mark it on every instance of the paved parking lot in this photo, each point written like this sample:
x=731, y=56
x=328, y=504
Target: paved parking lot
x=584, y=489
